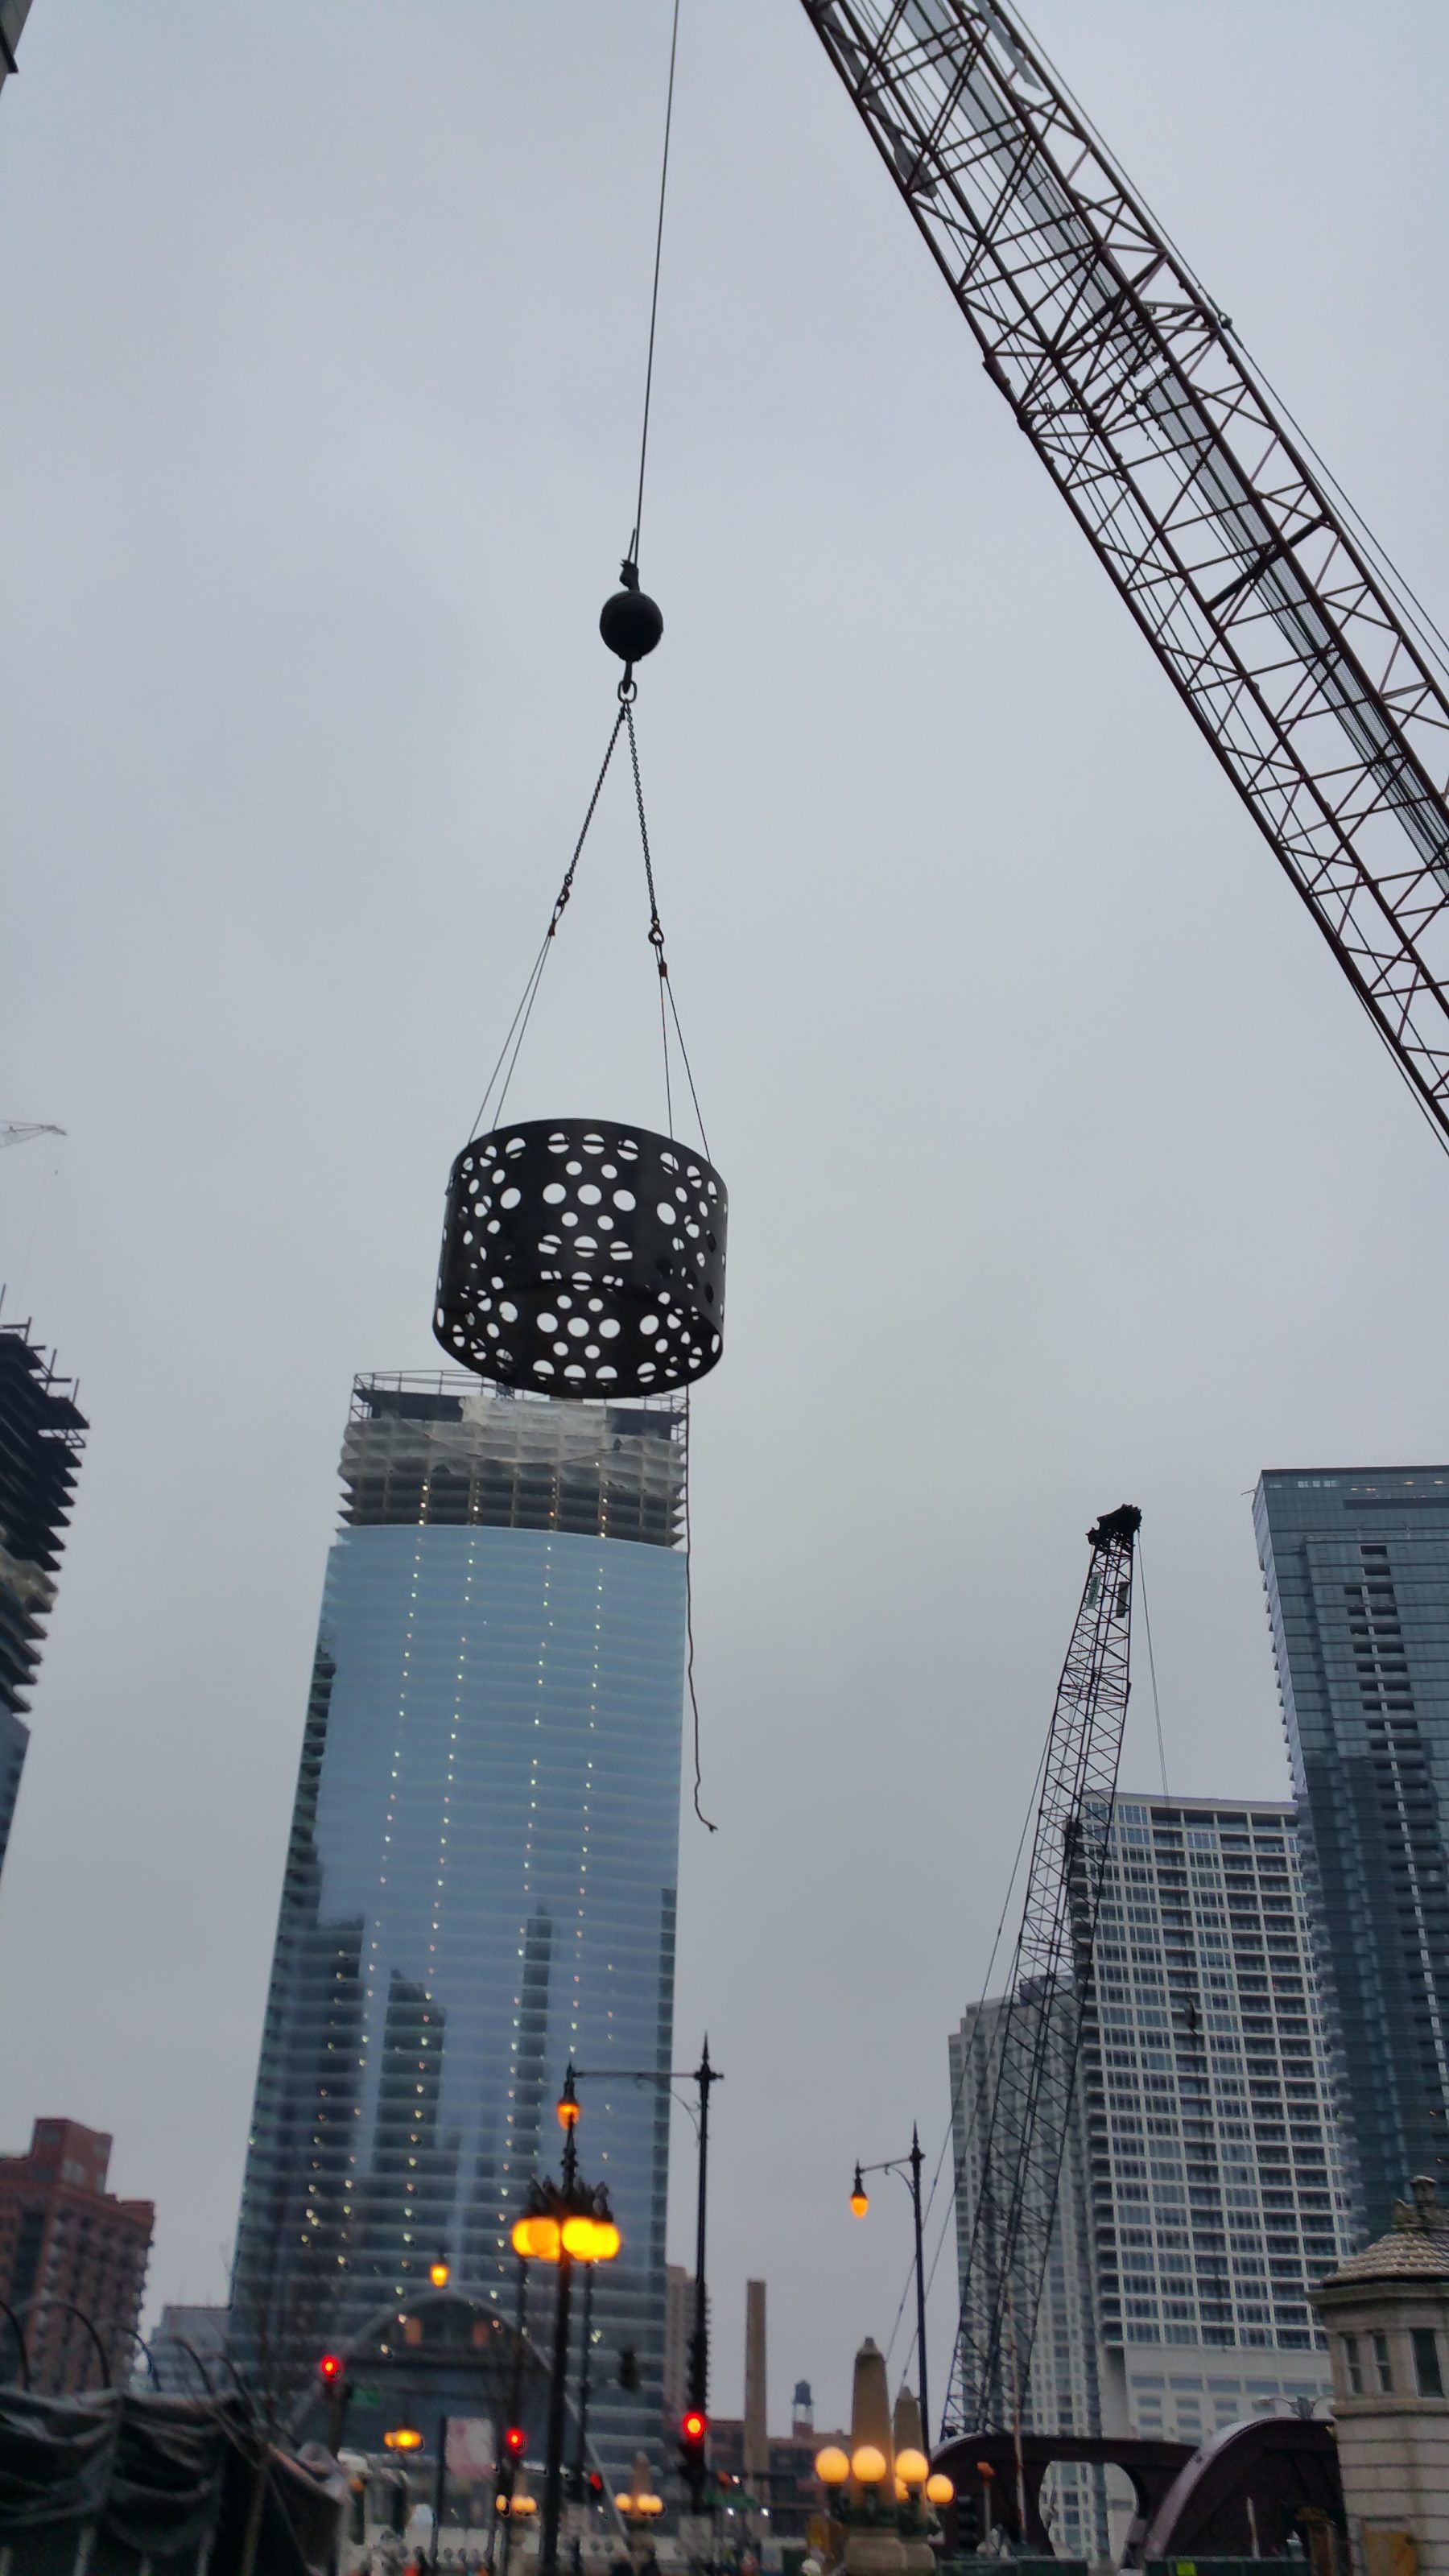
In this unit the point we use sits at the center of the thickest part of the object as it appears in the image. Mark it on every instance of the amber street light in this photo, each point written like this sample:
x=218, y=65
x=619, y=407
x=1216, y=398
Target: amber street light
x=909, y=2169
x=440, y=2272
x=402, y=2437
x=832, y=2467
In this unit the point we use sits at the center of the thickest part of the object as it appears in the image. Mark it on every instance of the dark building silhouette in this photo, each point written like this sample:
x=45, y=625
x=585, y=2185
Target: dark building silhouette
x=41, y=1437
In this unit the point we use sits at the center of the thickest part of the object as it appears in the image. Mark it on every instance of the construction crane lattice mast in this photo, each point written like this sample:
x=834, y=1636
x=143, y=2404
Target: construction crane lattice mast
x=1031, y=2078
x=19, y=1131
x=1234, y=555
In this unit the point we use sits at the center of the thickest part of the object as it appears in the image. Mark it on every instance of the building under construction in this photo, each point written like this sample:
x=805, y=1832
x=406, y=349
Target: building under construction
x=480, y=1883
x=42, y=1433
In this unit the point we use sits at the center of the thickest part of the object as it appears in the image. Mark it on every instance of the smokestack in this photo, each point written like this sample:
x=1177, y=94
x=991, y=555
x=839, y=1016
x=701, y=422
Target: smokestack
x=757, y=2416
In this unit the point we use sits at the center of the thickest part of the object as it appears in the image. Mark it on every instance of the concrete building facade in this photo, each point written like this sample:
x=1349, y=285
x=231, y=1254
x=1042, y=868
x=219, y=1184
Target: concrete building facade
x=1387, y=2315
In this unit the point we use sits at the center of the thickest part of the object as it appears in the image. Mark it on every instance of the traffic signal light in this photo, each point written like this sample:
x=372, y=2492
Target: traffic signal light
x=693, y=2430
x=332, y=2371
x=515, y=2441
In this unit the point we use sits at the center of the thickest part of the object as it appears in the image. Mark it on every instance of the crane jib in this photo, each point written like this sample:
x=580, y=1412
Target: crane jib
x=1011, y=2166
x=1299, y=664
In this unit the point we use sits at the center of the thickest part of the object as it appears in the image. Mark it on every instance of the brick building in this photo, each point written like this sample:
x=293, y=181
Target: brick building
x=67, y=2244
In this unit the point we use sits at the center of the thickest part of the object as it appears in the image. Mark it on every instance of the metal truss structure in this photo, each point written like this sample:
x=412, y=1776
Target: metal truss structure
x=1232, y=553
x=1018, y=2159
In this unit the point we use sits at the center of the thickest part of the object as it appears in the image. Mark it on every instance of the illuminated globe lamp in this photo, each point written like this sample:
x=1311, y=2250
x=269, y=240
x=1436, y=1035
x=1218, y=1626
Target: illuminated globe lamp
x=639, y=2504
x=440, y=2271
x=913, y=2478
x=568, y=2220
x=584, y=1259
x=859, y=2196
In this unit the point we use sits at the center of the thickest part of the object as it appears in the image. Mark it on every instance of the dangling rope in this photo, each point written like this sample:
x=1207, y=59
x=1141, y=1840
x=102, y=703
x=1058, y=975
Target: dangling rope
x=689, y=1625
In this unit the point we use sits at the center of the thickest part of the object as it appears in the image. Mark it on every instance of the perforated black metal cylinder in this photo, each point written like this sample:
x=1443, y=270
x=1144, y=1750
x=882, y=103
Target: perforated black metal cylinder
x=583, y=1259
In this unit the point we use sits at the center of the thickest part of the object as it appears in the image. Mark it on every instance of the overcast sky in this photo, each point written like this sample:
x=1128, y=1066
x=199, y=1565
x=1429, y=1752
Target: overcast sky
x=1064, y=1169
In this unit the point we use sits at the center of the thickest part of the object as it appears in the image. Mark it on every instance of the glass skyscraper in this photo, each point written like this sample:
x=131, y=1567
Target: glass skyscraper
x=480, y=1884
x=1202, y=2189
x=1356, y=1569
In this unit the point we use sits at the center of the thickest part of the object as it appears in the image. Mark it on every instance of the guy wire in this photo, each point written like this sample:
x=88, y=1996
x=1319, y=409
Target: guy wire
x=520, y=1019
x=1152, y=1666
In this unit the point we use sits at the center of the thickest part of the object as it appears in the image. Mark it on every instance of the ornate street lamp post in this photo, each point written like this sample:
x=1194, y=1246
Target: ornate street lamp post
x=859, y=2203
x=564, y=2223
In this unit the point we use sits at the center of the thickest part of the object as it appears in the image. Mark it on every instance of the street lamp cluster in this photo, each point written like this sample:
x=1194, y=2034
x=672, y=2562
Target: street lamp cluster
x=640, y=2505
x=870, y=2468
x=541, y=2237
x=881, y=2493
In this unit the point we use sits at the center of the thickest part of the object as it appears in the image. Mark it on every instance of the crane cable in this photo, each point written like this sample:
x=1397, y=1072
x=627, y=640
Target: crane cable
x=508, y=1054
x=505, y=1065
x=654, y=296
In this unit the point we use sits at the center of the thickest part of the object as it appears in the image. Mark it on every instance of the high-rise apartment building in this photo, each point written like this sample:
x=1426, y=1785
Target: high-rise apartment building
x=1356, y=1569
x=1202, y=2190
x=72, y=2256
x=480, y=1885
x=41, y=1437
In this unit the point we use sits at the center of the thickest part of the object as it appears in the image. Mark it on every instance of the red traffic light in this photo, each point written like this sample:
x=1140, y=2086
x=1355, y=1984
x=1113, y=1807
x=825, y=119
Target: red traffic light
x=330, y=2368
x=694, y=2427
x=515, y=2441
